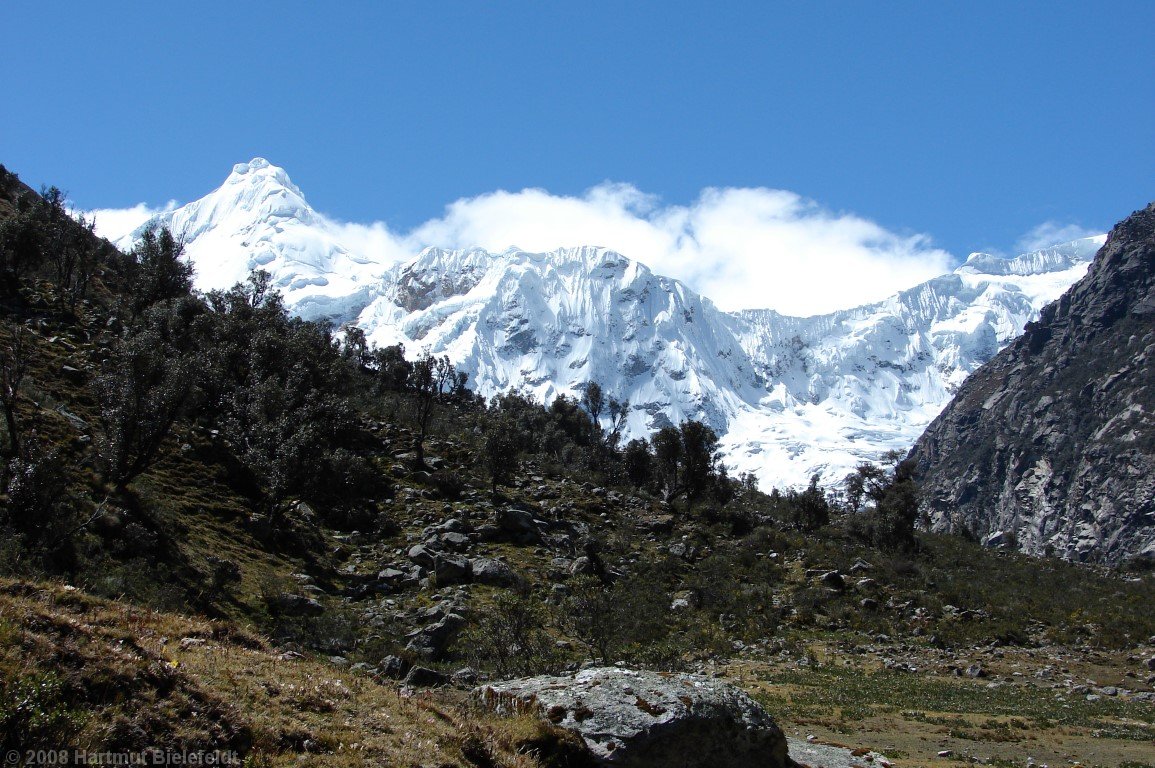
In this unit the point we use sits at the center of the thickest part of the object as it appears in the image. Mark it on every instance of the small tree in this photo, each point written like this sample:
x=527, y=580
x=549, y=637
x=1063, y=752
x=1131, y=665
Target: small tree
x=14, y=357
x=667, y=465
x=430, y=378
x=619, y=410
x=36, y=486
x=393, y=370
x=510, y=637
x=594, y=401
x=615, y=620
x=589, y=613
x=500, y=453
x=685, y=460
x=809, y=509
x=356, y=348
x=142, y=392
x=699, y=459
x=68, y=247
x=883, y=503
x=158, y=270
x=638, y=463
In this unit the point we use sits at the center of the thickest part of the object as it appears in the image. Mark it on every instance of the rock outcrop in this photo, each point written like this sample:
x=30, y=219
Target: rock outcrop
x=631, y=719
x=1050, y=447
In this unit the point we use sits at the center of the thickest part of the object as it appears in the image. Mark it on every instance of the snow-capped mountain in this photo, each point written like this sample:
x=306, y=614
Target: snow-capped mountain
x=258, y=219
x=790, y=396
x=550, y=323
x=847, y=386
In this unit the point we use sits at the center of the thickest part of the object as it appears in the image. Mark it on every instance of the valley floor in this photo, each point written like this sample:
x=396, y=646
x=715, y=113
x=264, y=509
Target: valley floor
x=110, y=674
x=1052, y=706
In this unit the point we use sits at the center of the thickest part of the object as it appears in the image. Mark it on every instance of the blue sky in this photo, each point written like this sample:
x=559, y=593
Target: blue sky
x=964, y=126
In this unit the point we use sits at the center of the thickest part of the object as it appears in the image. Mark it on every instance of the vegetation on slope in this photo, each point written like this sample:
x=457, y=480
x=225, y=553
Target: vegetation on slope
x=334, y=515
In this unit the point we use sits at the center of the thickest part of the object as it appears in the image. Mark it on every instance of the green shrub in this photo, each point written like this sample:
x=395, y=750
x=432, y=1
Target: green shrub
x=35, y=714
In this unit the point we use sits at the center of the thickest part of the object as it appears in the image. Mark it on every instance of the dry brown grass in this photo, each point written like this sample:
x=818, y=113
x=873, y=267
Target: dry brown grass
x=130, y=679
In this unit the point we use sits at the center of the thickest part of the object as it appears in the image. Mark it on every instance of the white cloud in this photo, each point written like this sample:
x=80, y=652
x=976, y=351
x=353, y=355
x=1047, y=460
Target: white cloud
x=1052, y=233
x=743, y=248
x=114, y=223
x=372, y=240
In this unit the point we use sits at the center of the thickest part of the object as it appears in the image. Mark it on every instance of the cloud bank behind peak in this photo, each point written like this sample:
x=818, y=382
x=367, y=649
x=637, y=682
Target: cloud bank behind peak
x=744, y=248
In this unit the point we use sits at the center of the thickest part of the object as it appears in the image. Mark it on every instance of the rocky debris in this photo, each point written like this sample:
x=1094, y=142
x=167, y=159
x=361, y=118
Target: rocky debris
x=582, y=566
x=456, y=541
x=393, y=666
x=684, y=600
x=1047, y=446
x=833, y=580
x=289, y=604
x=633, y=718
x=811, y=752
x=430, y=641
x=451, y=569
x=465, y=676
x=422, y=555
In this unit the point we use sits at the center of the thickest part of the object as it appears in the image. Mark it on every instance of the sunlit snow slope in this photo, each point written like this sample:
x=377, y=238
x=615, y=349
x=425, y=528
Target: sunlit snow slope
x=258, y=219
x=790, y=396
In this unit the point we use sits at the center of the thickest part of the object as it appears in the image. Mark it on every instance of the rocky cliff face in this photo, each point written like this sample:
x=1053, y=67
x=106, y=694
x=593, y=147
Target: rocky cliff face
x=1051, y=445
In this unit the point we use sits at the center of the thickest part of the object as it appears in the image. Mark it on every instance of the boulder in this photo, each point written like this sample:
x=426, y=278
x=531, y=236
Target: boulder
x=451, y=569
x=975, y=671
x=422, y=555
x=393, y=666
x=519, y=525
x=455, y=541
x=833, y=580
x=288, y=604
x=495, y=573
x=431, y=641
x=636, y=719
x=583, y=566
x=424, y=677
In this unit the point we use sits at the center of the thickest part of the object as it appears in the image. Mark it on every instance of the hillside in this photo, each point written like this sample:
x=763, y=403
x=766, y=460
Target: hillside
x=1050, y=445
x=341, y=557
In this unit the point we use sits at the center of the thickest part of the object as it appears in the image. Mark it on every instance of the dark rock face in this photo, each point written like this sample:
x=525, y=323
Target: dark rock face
x=635, y=719
x=1051, y=445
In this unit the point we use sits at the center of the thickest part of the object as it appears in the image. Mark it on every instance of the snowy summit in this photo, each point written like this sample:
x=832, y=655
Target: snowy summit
x=789, y=396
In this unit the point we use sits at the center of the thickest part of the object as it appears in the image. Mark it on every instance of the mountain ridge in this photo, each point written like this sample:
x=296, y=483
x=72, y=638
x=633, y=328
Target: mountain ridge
x=790, y=396
x=1048, y=447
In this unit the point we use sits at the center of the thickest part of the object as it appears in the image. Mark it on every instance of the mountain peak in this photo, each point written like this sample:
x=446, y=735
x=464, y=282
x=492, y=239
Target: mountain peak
x=261, y=171
x=1053, y=258
x=793, y=396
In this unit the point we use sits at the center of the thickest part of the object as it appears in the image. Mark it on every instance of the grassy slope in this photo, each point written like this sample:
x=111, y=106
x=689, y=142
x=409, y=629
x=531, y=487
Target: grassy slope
x=108, y=676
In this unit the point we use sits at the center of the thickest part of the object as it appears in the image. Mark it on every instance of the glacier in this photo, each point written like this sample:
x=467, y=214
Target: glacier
x=790, y=397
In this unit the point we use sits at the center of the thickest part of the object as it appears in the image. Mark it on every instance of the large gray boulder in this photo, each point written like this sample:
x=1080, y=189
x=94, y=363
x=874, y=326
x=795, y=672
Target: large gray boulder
x=486, y=570
x=635, y=719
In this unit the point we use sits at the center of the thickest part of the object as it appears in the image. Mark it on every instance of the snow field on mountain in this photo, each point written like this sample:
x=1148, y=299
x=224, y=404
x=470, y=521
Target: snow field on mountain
x=789, y=396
